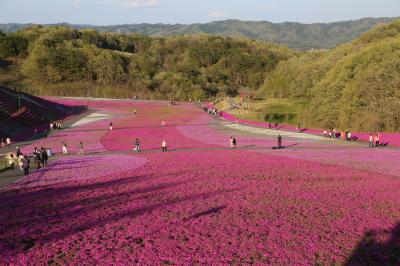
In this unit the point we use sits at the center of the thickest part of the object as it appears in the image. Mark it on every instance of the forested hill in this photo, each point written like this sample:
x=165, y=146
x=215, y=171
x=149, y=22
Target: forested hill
x=356, y=85
x=294, y=35
x=70, y=62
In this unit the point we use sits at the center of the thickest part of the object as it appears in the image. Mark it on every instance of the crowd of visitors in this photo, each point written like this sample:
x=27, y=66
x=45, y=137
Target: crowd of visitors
x=210, y=109
x=40, y=158
x=5, y=142
x=374, y=140
x=335, y=134
x=238, y=106
x=55, y=125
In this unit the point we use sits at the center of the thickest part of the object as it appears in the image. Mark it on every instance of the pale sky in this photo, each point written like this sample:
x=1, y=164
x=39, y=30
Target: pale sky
x=109, y=12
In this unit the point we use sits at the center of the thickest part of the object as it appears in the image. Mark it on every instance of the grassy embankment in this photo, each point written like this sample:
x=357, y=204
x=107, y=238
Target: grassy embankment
x=286, y=111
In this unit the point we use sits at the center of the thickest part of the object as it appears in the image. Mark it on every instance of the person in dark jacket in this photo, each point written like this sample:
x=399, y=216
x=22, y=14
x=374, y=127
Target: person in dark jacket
x=279, y=141
x=25, y=165
x=38, y=157
x=44, y=157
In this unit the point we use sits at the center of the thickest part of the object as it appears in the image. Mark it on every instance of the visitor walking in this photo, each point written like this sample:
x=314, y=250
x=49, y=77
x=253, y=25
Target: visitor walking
x=231, y=142
x=348, y=135
x=11, y=161
x=377, y=140
x=343, y=135
x=279, y=141
x=371, y=140
x=164, y=146
x=137, y=145
x=49, y=153
x=20, y=161
x=64, y=148
x=38, y=159
x=44, y=157
x=111, y=126
x=80, y=149
x=234, y=143
x=18, y=151
x=25, y=165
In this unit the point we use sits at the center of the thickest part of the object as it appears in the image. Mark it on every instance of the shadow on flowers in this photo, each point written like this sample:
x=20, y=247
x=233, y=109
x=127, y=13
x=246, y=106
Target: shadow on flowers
x=36, y=217
x=378, y=247
x=211, y=211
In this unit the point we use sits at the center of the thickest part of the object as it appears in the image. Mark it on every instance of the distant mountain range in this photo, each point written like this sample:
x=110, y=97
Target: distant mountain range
x=294, y=35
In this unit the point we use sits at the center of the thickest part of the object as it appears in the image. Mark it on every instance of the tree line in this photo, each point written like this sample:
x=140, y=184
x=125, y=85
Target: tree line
x=184, y=67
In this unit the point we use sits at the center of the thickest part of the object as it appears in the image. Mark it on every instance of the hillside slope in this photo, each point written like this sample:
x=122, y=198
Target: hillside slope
x=356, y=85
x=69, y=62
x=294, y=35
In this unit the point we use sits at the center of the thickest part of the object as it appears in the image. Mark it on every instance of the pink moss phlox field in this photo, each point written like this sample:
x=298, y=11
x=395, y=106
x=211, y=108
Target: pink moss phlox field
x=313, y=203
x=64, y=169
x=262, y=211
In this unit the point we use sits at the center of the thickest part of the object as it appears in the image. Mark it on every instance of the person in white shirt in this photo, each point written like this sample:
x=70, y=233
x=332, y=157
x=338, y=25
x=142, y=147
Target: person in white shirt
x=231, y=143
x=64, y=148
x=20, y=161
x=164, y=146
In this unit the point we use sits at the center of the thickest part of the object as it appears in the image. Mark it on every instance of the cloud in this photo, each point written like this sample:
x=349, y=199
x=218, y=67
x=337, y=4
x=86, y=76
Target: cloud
x=217, y=14
x=141, y=4
x=130, y=3
x=76, y=2
x=269, y=6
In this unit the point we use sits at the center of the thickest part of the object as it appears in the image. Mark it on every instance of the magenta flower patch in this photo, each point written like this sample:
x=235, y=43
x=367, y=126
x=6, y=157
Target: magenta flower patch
x=314, y=202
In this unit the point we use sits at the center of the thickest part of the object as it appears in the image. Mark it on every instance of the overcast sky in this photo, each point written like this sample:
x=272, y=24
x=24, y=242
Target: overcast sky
x=107, y=12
